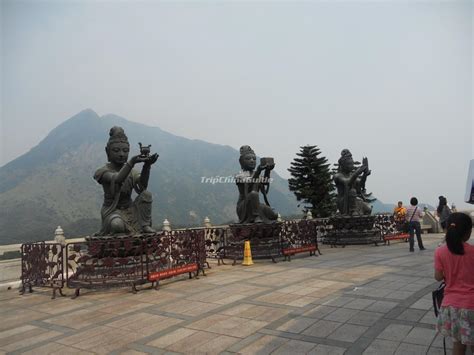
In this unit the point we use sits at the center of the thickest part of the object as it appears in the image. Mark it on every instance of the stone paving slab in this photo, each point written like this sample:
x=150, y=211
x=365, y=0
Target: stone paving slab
x=352, y=300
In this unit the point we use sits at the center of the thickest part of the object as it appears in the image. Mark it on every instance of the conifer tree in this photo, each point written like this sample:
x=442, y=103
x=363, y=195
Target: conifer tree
x=311, y=181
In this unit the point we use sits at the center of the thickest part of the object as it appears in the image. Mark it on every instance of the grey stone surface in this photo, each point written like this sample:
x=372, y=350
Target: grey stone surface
x=382, y=347
x=297, y=325
x=348, y=332
x=413, y=315
x=381, y=306
x=339, y=303
x=429, y=318
x=395, y=332
x=359, y=304
x=322, y=328
x=424, y=304
x=320, y=311
x=365, y=318
x=294, y=347
x=10, y=270
x=327, y=350
x=341, y=315
x=421, y=336
x=411, y=349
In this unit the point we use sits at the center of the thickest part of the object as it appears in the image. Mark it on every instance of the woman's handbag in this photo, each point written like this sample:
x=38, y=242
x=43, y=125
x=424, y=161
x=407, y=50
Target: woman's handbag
x=406, y=225
x=438, y=295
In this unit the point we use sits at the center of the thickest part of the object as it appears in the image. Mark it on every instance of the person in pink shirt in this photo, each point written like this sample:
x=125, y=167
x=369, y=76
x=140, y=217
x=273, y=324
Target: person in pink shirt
x=454, y=263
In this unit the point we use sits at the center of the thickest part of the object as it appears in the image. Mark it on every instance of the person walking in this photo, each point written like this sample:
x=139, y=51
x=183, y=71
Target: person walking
x=443, y=211
x=413, y=216
x=454, y=263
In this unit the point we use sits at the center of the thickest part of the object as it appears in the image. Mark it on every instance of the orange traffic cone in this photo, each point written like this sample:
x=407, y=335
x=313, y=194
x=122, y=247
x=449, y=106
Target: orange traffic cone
x=247, y=254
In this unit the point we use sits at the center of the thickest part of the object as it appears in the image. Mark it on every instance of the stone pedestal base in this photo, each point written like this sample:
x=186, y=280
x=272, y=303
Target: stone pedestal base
x=265, y=240
x=352, y=230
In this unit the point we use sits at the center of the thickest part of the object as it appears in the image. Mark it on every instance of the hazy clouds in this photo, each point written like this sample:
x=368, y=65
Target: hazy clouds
x=390, y=80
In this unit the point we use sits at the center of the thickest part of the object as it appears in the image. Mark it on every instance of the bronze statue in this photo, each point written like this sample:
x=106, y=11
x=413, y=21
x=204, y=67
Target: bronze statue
x=250, y=184
x=352, y=198
x=121, y=215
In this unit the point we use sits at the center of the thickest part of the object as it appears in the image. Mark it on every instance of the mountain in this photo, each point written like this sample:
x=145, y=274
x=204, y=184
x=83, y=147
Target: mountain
x=380, y=207
x=52, y=184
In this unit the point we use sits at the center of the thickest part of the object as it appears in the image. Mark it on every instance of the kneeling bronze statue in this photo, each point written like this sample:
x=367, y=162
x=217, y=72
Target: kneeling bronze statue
x=121, y=214
x=352, y=198
x=250, y=185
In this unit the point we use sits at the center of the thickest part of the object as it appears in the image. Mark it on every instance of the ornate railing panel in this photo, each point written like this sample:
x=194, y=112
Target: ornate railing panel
x=42, y=265
x=158, y=253
x=105, y=263
x=215, y=242
x=301, y=236
x=185, y=247
x=385, y=224
x=199, y=248
x=174, y=253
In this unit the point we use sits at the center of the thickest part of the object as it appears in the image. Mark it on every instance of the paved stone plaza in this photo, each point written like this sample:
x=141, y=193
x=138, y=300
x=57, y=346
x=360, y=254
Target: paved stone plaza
x=353, y=300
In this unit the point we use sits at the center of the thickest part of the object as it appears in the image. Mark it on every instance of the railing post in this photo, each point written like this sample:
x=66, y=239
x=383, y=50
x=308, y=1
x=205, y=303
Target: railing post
x=166, y=225
x=59, y=236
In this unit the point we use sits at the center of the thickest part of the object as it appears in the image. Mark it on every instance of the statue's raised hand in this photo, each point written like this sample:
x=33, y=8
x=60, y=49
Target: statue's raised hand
x=138, y=159
x=151, y=159
x=365, y=164
x=269, y=167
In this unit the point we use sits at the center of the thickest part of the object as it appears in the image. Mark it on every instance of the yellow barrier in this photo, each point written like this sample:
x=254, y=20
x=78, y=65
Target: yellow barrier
x=247, y=254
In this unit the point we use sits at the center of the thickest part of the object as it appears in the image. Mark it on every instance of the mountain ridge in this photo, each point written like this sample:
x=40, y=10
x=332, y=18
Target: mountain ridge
x=52, y=184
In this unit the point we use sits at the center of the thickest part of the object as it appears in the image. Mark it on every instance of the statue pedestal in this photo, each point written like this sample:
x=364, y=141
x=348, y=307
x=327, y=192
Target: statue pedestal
x=131, y=260
x=265, y=240
x=352, y=230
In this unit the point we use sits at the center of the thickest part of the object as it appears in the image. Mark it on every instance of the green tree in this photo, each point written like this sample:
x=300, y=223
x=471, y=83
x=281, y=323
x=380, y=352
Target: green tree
x=311, y=181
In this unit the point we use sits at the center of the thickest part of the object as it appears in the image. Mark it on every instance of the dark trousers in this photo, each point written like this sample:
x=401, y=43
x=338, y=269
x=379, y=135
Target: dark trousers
x=415, y=228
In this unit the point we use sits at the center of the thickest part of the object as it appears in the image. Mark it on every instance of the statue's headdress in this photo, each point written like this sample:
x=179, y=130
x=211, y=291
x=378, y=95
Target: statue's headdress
x=345, y=156
x=245, y=149
x=117, y=135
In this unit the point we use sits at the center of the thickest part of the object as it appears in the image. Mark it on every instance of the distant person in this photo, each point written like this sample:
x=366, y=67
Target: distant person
x=399, y=212
x=453, y=208
x=443, y=211
x=454, y=263
x=413, y=217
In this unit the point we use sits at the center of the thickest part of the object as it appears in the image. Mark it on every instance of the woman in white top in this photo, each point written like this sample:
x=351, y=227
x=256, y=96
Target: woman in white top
x=413, y=217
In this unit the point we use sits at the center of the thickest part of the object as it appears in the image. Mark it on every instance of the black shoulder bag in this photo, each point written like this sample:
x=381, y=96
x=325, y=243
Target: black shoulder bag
x=438, y=295
x=406, y=226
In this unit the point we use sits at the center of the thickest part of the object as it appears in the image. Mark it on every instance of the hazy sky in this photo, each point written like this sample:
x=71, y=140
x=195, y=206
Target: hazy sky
x=390, y=80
